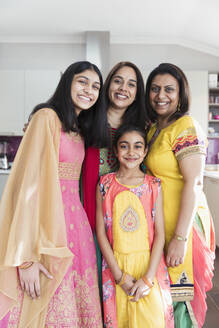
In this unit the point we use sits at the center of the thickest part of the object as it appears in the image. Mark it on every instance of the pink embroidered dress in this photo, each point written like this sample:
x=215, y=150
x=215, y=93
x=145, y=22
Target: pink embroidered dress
x=129, y=222
x=76, y=300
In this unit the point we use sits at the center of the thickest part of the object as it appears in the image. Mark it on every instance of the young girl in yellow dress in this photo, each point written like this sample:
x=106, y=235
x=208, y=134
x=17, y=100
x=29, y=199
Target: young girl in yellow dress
x=130, y=232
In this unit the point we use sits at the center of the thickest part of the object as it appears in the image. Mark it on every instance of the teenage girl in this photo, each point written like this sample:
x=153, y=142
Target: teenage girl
x=131, y=237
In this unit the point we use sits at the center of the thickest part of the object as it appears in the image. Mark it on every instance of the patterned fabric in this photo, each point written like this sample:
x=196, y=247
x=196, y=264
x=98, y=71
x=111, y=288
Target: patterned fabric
x=183, y=138
x=188, y=142
x=75, y=303
x=107, y=162
x=129, y=226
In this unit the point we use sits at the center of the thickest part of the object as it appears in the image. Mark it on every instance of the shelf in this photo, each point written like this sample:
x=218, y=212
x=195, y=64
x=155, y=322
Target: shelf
x=213, y=121
x=212, y=137
x=214, y=89
x=213, y=104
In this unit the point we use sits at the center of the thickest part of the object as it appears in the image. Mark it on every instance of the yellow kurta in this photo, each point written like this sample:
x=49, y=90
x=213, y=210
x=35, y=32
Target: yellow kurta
x=182, y=138
x=32, y=222
x=132, y=253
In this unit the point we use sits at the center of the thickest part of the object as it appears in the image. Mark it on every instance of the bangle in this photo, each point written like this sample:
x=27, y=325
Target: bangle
x=180, y=238
x=25, y=265
x=119, y=280
x=147, y=282
x=122, y=279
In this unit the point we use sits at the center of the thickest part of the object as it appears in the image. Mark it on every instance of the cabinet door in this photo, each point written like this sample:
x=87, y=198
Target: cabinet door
x=11, y=102
x=211, y=189
x=3, y=180
x=39, y=87
x=198, y=82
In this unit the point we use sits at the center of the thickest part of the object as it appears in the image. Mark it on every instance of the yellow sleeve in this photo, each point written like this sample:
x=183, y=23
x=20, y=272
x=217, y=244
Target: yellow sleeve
x=188, y=138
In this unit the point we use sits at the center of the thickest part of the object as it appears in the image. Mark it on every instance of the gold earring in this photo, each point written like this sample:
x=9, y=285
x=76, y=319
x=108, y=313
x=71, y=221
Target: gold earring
x=178, y=107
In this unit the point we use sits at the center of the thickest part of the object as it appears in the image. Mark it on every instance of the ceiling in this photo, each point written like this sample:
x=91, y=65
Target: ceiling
x=190, y=23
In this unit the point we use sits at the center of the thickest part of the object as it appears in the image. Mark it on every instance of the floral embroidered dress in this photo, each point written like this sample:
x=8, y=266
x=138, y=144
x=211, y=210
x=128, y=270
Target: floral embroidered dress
x=190, y=280
x=51, y=227
x=76, y=301
x=129, y=222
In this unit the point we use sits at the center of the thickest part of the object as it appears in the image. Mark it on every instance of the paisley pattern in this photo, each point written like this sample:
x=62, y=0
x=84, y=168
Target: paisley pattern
x=129, y=220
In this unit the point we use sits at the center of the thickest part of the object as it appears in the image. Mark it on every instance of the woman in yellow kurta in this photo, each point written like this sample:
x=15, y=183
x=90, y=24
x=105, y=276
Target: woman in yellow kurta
x=130, y=232
x=177, y=150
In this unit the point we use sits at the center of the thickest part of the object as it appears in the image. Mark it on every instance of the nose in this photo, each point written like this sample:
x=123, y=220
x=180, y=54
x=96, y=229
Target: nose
x=123, y=86
x=131, y=151
x=88, y=88
x=161, y=93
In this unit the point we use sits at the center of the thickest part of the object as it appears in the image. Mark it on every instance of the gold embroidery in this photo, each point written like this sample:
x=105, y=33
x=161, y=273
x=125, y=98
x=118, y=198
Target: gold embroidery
x=182, y=294
x=74, y=136
x=72, y=208
x=129, y=220
x=183, y=290
x=189, y=151
x=71, y=244
x=63, y=188
x=71, y=226
x=69, y=171
x=77, y=302
x=16, y=310
x=189, y=131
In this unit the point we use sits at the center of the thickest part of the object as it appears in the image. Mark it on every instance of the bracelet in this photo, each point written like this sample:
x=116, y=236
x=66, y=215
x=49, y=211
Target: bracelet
x=25, y=265
x=147, y=282
x=121, y=281
x=180, y=238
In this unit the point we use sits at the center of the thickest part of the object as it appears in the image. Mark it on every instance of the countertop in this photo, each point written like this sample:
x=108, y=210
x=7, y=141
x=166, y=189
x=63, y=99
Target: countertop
x=211, y=174
x=6, y=171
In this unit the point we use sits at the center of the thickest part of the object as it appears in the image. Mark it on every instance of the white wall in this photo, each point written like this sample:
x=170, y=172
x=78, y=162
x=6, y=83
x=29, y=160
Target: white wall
x=147, y=57
x=33, y=56
x=23, y=56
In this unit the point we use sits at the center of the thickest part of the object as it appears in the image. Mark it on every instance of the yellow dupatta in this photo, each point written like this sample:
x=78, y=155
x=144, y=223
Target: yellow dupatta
x=32, y=222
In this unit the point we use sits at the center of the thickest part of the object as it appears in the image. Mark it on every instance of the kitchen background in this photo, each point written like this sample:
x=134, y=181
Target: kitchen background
x=39, y=39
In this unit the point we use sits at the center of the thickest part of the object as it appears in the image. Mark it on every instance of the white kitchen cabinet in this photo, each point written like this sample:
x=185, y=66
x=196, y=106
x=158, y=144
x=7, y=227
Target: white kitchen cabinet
x=198, y=82
x=39, y=87
x=211, y=189
x=20, y=92
x=3, y=179
x=11, y=102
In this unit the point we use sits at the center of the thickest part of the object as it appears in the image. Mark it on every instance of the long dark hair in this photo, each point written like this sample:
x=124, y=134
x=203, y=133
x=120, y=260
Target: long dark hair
x=184, y=94
x=90, y=123
x=136, y=112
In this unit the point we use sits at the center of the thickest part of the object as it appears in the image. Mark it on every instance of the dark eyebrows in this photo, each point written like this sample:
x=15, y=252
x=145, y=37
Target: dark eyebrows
x=168, y=85
x=86, y=78
x=126, y=142
x=120, y=77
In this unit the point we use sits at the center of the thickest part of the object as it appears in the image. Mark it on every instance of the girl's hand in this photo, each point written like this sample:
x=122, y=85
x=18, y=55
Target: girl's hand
x=176, y=252
x=140, y=289
x=128, y=284
x=30, y=281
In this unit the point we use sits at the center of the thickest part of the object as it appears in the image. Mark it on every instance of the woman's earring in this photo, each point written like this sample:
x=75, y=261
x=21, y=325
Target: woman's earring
x=178, y=107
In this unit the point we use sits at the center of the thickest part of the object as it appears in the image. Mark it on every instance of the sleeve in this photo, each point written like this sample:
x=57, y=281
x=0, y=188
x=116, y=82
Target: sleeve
x=189, y=139
x=104, y=183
